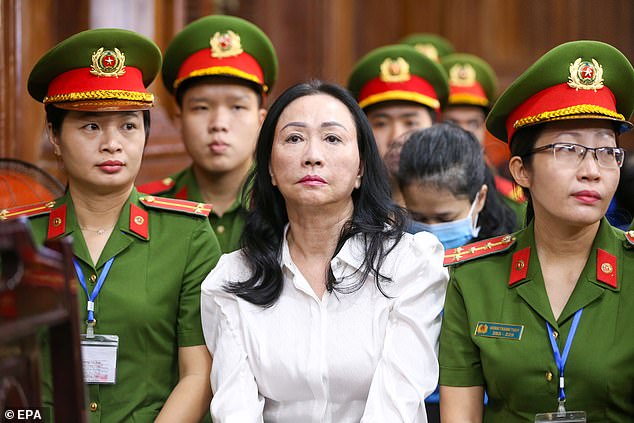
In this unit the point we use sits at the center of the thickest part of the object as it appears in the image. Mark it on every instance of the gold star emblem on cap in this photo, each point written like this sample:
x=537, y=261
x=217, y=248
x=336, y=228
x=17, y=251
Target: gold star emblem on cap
x=428, y=50
x=395, y=70
x=226, y=44
x=108, y=63
x=462, y=75
x=585, y=75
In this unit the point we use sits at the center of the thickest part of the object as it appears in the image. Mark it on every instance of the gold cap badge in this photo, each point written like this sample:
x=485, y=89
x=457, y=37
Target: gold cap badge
x=395, y=70
x=226, y=44
x=428, y=50
x=585, y=75
x=108, y=63
x=462, y=75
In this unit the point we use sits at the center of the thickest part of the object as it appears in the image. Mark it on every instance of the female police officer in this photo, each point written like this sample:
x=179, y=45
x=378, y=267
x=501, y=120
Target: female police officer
x=140, y=260
x=539, y=319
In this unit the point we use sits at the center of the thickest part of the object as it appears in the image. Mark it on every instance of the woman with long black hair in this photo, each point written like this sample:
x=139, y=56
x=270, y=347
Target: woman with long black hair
x=329, y=312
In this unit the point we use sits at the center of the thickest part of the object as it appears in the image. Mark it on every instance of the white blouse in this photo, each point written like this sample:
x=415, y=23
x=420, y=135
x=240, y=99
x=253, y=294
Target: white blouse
x=343, y=358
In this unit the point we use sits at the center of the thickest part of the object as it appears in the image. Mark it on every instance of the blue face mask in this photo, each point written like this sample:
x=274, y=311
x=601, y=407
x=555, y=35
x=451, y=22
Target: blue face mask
x=456, y=233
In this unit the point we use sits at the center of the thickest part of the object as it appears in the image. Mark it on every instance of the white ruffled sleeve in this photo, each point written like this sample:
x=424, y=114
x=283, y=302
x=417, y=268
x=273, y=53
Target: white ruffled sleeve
x=407, y=371
x=236, y=398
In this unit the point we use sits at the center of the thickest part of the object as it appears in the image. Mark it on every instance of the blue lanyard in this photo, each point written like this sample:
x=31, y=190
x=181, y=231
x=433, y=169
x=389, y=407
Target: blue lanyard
x=91, y=296
x=560, y=360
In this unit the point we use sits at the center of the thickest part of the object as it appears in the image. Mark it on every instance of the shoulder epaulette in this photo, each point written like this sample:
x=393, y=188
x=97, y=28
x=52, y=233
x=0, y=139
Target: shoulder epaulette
x=27, y=211
x=629, y=235
x=478, y=249
x=174, y=204
x=157, y=187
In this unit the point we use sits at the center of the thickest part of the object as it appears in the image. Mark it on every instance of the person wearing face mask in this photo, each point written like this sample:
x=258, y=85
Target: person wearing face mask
x=448, y=187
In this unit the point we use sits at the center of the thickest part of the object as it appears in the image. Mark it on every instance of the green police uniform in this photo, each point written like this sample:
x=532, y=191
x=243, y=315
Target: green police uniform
x=228, y=47
x=495, y=331
x=228, y=227
x=161, y=249
x=492, y=293
x=150, y=297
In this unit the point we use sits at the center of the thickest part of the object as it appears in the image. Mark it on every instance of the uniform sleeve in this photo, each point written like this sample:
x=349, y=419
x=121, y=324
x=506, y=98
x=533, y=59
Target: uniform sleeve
x=236, y=398
x=202, y=256
x=407, y=371
x=460, y=363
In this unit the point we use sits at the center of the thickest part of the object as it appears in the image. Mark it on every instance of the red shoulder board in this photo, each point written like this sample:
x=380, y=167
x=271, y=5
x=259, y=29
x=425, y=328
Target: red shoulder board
x=478, y=249
x=27, y=211
x=174, y=204
x=157, y=187
x=629, y=235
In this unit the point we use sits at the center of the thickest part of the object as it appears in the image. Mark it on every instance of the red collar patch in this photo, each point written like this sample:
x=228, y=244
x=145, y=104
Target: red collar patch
x=519, y=265
x=139, y=221
x=606, y=268
x=57, y=222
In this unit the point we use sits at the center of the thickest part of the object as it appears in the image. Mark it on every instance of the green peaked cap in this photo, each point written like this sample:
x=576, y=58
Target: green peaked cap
x=575, y=80
x=224, y=46
x=398, y=72
x=78, y=69
x=461, y=87
x=431, y=45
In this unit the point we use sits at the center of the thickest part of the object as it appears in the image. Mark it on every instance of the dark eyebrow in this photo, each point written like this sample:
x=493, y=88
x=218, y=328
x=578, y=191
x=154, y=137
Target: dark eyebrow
x=95, y=115
x=332, y=123
x=298, y=124
x=323, y=125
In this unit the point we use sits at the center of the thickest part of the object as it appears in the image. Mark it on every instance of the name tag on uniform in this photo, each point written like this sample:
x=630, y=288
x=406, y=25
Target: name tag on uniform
x=562, y=417
x=499, y=330
x=99, y=358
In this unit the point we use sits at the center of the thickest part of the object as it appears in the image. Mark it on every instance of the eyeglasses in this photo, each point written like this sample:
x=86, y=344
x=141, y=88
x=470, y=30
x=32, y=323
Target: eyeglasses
x=571, y=155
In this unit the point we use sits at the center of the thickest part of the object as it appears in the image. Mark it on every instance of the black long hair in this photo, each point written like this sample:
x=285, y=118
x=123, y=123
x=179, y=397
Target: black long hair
x=375, y=216
x=522, y=143
x=448, y=157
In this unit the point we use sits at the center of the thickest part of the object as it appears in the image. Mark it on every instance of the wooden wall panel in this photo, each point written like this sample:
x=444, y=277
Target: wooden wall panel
x=314, y=39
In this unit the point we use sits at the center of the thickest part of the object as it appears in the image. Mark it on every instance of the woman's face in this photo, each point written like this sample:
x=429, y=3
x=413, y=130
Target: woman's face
x=101, y=151
x=567, y=191
x=430, y=204
x=315, y=157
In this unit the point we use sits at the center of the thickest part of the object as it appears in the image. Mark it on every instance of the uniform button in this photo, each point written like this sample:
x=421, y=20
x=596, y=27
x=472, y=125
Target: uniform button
x=549, y=376
x=93, y=278
x=93, y=406
x=555, y=334
x=220, y=229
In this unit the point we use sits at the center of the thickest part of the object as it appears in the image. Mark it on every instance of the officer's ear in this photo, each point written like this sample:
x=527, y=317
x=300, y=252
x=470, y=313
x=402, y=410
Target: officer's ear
x=519, y=171
x=262, y=112
x=53, y=139
x=178, y=116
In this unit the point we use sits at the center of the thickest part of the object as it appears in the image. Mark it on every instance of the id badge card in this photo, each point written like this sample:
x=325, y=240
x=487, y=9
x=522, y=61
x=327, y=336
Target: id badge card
x=99, y=358
x=561, y=417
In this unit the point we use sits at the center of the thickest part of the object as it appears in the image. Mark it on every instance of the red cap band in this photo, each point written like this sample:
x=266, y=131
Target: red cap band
x=81, y=80
x=415, y=89
x=202, y=63
x=549, y=104
x=472, y=94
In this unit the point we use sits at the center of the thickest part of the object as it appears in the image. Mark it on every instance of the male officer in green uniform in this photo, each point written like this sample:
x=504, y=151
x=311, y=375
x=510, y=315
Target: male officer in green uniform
x=139, y=259
x=472, y=90
x=522, y=308
x=219, y=69
x=400, y=90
